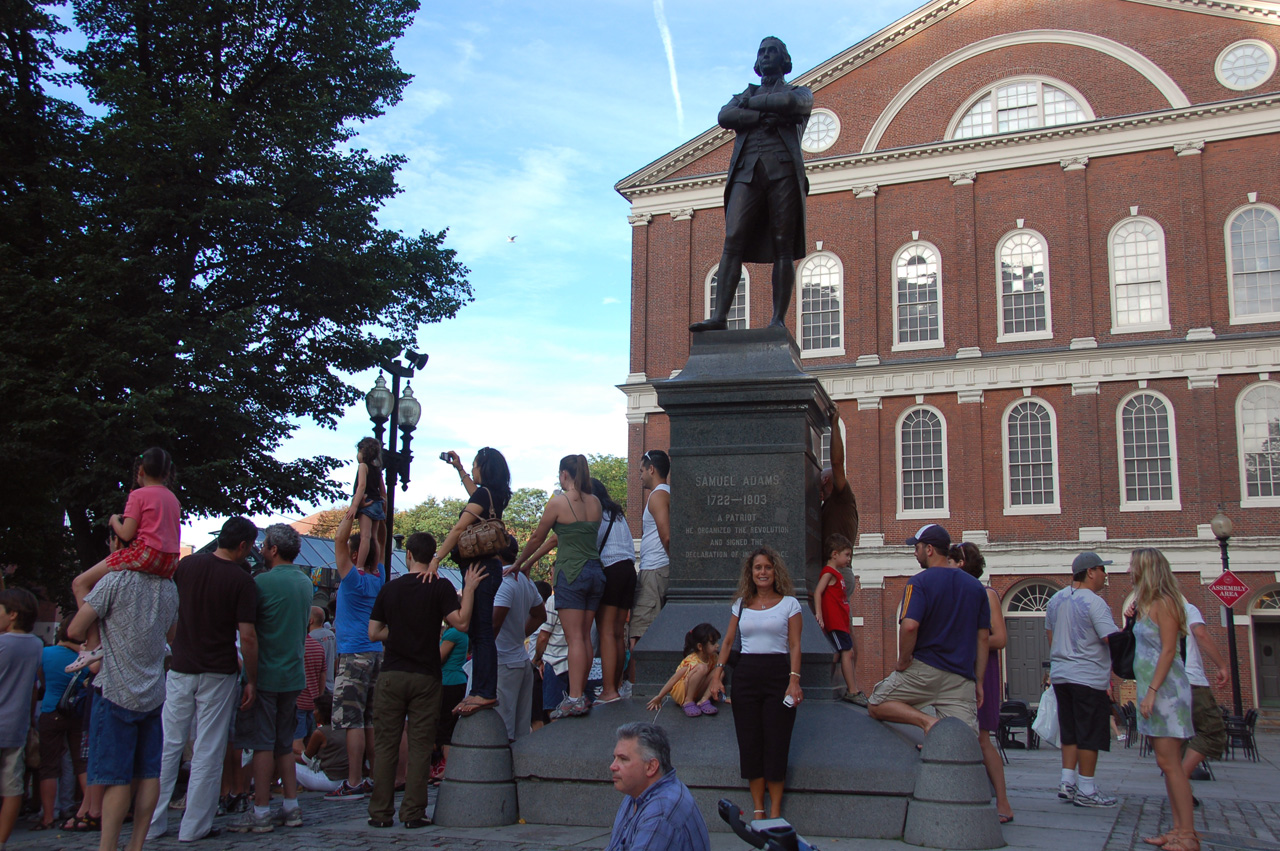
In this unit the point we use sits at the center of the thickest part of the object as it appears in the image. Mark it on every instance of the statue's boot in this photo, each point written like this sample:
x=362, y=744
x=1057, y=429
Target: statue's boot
x=784, y=284
x=719, y=319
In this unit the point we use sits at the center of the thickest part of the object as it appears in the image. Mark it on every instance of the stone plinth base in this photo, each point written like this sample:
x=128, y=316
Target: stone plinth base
x=850, y=775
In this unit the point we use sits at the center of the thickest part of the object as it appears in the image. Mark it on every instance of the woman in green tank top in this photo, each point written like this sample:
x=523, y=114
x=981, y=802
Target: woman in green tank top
x=575, y=516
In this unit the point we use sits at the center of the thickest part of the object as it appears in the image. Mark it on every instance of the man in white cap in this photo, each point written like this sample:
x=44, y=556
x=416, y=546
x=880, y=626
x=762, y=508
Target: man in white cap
x=1078, y=622
x=942, y=642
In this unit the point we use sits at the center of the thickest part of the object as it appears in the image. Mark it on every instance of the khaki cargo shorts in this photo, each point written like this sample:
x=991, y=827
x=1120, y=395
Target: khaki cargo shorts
x=926, y=687
x=651, y=596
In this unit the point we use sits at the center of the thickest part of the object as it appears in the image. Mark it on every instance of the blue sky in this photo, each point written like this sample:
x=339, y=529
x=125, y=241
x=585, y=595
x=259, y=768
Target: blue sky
x=520, y=118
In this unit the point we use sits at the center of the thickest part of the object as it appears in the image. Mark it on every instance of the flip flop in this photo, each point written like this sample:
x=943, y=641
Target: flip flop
x=40, y=826
x=1004, y=819
x=610, y=700
x=708, y=708
x=691, y=709
x=466, y=709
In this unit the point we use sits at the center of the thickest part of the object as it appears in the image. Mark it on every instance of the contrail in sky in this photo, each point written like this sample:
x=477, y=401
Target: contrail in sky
x=660, y=13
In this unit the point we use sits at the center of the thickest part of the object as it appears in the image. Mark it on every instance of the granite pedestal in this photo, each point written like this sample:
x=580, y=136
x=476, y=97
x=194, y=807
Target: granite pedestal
x=746, y=437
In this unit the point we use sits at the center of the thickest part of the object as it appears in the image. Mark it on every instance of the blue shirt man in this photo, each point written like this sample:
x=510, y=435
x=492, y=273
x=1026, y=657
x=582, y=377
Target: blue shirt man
x=658, y=813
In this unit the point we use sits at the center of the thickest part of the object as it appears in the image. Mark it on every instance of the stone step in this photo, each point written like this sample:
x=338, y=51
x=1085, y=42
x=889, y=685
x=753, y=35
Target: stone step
x=1268, y=720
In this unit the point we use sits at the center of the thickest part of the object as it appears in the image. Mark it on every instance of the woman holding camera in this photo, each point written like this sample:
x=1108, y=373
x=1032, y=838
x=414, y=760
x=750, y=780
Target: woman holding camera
x=766, y=679
x=489, y=488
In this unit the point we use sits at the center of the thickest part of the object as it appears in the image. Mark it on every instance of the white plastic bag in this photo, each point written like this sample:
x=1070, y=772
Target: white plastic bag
x=1046, y=723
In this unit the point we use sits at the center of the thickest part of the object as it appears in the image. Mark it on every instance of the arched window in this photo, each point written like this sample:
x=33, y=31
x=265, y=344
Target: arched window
x=1258, y=435
x=1268, y=602
x=820, y=317
x=1023, y=269
x=738, y=312
x=1253, y=265
x=922, y=462
x=1030, y=599
x=1022, y=104
x=917, y=297
x=1139, y=291
x=1031, y=459
x=1148, y=454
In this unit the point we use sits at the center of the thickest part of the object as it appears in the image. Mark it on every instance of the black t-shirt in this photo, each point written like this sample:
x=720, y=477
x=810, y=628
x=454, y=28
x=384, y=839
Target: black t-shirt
x=478, y=504
x=412, y=610
x=215, y=596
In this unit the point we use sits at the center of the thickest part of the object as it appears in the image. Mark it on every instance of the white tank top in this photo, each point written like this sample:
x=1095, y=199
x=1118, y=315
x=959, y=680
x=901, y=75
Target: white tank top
x=652, y=555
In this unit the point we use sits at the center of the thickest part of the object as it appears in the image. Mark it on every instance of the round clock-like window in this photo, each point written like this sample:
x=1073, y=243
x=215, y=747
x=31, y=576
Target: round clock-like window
x=821, y=132
x=1245, y=65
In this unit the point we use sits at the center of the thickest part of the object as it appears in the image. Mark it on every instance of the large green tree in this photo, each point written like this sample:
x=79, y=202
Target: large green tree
x=224, y=270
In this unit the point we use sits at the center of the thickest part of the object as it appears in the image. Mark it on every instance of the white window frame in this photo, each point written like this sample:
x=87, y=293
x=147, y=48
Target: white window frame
x=1256, y=42
x=1248, y=318
x=989, y=91
x=1001, y=335
x=899, y=346
x=824, y=447
x=830, y=351
x=934, y=513
x=1174, y=504
x=1054, y=507
x=1247, y=501
x=1164, y=277
x=744, y=289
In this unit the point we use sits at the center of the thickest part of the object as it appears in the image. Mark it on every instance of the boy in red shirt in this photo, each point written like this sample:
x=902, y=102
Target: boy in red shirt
x=833, y=612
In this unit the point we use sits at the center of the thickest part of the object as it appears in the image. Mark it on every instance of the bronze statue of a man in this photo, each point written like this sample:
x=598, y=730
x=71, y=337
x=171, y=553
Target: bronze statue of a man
x=765, y=192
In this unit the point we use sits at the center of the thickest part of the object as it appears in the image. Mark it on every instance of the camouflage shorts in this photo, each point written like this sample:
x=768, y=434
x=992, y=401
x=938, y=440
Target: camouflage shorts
x=353, y=689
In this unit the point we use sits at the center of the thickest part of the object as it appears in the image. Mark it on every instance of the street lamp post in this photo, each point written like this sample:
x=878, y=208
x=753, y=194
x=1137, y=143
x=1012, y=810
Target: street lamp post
x=403, y=412
x=1221, y=525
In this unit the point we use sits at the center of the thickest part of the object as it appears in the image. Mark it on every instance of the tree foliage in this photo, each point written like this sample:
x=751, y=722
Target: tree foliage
x=218, y=267
x=611, y=470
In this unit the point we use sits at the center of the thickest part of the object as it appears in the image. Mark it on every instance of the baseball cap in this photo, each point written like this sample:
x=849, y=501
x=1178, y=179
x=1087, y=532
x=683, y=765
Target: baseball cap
x=932, y=534
x=1085, y=561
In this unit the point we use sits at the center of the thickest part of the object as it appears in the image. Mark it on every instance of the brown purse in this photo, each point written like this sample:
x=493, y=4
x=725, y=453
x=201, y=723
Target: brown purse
x=483, y=538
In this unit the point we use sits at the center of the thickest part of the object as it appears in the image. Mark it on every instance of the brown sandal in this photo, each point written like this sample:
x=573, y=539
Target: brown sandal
x=1159, y=841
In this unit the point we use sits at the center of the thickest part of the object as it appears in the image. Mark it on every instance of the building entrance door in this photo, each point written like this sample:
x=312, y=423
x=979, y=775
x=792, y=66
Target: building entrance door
x=1026, y=656
x=1266, y=653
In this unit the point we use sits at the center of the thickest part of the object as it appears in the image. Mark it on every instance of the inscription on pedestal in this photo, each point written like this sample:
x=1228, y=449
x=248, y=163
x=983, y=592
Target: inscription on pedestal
x=741, y=512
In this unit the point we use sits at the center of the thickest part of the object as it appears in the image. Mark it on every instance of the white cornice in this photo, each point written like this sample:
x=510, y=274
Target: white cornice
x=1106, y=137
x=1196, y=363
x=1267, y=13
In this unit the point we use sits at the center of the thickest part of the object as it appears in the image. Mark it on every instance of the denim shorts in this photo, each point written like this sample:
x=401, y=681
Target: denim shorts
x=306, y=724
x=375, y=510
x=585, y=592
x=124, y=745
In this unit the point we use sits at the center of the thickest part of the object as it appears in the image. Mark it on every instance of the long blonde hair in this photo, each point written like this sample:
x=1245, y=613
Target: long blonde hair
x=1153, y=581
x=781, y=578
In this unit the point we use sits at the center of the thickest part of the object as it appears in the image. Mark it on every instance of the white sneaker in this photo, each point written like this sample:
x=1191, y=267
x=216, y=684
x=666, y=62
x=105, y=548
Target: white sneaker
x=1094, y=799
x=288, y=818
x=1067, y=791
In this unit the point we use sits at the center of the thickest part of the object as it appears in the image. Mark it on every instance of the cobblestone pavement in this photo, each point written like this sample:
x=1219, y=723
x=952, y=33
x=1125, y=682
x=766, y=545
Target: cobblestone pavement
x=1240, y=810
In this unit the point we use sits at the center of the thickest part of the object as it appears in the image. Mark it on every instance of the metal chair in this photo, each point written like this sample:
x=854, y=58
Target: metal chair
x=1016, y=715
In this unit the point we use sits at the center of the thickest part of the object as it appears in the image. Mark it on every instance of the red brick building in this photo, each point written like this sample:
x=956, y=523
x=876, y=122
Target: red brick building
x=1043, y=287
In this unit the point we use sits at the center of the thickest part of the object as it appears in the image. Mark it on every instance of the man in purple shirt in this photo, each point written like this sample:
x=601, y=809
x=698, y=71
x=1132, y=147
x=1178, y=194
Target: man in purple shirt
x=658, y=813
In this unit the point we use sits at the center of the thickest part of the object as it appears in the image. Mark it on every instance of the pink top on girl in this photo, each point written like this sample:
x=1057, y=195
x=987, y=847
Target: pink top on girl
x=159, y=517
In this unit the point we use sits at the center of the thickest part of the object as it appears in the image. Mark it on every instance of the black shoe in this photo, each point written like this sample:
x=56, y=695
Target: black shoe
x=710, y=325
x=417, y=823
x=1195, y=802
x=377, y=822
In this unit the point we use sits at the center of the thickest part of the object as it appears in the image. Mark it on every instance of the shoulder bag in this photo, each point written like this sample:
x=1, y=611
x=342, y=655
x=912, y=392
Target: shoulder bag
x=487, y=536
x=1123, y=645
